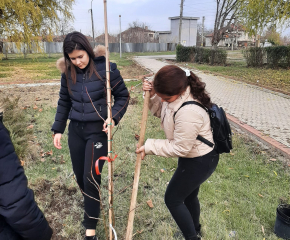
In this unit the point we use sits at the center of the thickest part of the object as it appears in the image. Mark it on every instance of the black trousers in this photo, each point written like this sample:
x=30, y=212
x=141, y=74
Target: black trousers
x=7, y=233
x=182, y=190
x=87, y=143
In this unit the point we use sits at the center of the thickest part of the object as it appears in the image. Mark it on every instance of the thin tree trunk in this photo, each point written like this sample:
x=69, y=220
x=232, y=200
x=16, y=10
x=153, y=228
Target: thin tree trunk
x=109, y=103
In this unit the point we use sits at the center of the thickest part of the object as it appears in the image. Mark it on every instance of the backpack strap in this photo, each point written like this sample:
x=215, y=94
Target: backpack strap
x=190, y=102
x=200, y=138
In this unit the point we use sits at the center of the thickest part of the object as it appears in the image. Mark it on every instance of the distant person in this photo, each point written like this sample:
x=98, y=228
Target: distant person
x=84, y=77
x=20, y=217
x=172, y=87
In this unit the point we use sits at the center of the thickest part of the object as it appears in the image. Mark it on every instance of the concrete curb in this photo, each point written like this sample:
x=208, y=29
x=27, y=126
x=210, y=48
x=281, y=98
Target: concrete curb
x=270, y=142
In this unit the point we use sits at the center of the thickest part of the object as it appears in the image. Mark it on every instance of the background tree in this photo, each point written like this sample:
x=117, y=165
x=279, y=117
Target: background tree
x=65, y=27
x=257, y=15
x=226, y=14
x=286, y=40
x=273, y=36
x=26, y=20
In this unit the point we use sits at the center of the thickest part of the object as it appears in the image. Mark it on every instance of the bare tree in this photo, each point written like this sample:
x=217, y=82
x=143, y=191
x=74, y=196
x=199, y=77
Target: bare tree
x=65, y=27
x=226, y=13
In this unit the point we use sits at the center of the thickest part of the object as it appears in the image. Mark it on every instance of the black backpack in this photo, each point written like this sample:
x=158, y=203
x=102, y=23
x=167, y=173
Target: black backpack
x=222, y=134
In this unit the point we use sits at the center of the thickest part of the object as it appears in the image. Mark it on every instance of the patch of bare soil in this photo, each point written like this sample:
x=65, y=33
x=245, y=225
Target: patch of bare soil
x=38, y=96
x=41, y=96
x=58, y=202
x=133, y=71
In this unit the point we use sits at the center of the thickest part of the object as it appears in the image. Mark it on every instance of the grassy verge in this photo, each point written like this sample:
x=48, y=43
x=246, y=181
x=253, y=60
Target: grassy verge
x=275, y=79
x=241, y=196
x=39, y=67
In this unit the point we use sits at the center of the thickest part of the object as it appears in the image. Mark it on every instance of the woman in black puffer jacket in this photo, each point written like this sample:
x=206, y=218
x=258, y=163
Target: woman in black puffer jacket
x=20, y=217
x=84, y=77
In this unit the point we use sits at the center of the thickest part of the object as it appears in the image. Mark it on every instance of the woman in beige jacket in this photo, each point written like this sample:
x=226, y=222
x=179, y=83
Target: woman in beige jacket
x=171, y=87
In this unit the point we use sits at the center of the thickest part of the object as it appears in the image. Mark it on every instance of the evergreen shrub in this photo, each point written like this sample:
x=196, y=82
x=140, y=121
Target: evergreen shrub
x=201, y=55
x=276, y=56
x=184, y=54
x=255, y=56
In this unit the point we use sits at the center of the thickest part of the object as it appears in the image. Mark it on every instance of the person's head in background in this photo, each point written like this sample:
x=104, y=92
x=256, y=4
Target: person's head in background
x=171, y=81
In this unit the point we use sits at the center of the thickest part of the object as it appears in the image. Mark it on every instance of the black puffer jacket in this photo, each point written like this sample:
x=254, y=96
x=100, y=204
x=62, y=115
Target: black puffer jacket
x=17, y=205
x=76, y=105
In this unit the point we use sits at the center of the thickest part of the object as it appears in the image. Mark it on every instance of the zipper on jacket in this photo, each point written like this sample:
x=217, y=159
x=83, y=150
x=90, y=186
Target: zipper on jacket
x=84, y=77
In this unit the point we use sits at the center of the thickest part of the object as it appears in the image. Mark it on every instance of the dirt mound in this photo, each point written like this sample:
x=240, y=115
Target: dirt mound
x=61, y=204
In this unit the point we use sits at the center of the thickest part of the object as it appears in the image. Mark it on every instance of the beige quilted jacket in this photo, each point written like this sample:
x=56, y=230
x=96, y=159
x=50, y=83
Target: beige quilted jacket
x=190, y=121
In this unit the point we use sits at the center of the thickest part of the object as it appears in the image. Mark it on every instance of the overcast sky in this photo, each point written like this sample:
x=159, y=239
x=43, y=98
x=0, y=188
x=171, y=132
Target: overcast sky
x=154, y=13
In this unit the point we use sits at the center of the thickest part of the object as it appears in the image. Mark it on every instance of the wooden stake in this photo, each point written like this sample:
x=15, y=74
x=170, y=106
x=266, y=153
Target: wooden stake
x=129, y=233
x=109, y=102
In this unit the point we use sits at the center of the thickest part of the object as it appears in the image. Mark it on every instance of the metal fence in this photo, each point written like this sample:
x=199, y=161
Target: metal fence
x=56, y=47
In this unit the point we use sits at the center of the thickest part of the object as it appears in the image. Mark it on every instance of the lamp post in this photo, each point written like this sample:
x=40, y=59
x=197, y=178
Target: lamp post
x=92, y=22
x=120, y=39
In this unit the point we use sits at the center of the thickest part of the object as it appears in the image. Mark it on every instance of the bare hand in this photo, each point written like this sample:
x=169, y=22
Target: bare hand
x=141, y=150
x=147, y=86
x=56, y=140
x=105, y=125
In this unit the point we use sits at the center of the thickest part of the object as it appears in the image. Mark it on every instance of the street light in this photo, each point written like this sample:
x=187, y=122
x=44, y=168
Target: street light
x=92, y=22
x=120, y=38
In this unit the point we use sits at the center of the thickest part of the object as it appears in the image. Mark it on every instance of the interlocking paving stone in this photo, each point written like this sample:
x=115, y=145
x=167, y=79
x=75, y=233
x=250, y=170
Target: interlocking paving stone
x=264, y=110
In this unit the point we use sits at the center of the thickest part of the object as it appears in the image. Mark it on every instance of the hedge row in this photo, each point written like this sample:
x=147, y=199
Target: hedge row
x=200, y=55
x=270, y=56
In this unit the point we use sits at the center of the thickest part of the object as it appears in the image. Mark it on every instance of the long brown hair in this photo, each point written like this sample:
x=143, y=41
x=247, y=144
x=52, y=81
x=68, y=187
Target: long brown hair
x=171, y=80
x=77, y=41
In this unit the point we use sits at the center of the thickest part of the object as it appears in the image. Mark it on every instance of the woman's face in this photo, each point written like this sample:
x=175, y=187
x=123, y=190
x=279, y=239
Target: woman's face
x=166, y=98
x=79, y=58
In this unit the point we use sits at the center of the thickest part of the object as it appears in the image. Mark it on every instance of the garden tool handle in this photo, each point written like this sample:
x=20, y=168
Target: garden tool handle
x=129, y=233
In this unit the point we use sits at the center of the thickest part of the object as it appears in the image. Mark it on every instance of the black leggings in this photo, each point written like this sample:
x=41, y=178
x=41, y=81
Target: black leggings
x=181, y=193
x=84, y=138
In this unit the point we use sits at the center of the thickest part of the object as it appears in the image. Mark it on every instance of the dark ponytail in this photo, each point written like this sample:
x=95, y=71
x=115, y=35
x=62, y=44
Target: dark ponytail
x=197, y=89
x=171, y=80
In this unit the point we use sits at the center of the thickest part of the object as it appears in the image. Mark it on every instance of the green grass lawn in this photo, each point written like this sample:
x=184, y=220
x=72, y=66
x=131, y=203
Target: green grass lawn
x=36, y=67
x=275, y=79
x=242, y=195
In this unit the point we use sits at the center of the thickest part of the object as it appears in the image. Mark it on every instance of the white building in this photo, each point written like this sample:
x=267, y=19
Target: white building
x=236, y=35
x=188, y=31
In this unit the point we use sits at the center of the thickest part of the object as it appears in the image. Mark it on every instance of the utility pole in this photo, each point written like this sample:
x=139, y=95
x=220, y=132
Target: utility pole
x=120, y=38
x=180, y=21
x=202, y=36
x=92, y=22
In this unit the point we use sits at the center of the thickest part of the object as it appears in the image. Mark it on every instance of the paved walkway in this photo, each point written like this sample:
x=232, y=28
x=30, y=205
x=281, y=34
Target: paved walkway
x=262, y=109
x=29, y=85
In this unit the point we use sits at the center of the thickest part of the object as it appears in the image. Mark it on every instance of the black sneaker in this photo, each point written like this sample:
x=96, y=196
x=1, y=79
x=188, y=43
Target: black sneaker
x=195, y=238
x=91, y=238
x=198, y=231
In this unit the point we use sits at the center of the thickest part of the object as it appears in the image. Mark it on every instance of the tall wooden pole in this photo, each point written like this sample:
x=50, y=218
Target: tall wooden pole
x=109, y=102
x=129, y=233
x=180, y=21
x=202, y=35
